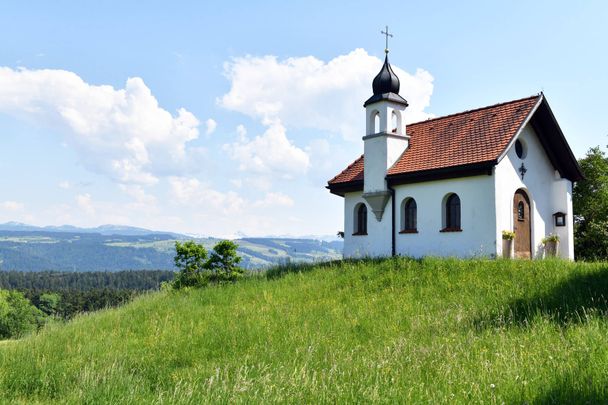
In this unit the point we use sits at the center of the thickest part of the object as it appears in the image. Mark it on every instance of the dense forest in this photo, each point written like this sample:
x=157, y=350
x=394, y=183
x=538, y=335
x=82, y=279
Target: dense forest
x=59, y=281
x=65, y=304
x=30, y=299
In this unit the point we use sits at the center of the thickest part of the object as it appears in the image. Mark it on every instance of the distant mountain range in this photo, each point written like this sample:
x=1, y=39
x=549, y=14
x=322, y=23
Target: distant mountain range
x=135, y=231
x=114, y=248
x=102, y=229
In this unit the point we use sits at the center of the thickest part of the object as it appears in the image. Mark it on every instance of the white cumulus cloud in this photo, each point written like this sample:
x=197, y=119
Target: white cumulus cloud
x=241, y=131
x=138, y=194
x=122, y=133
x=306, y=92
x=12, y=206
x=192, y=192
x=269, y=153
x=274, y=200
x=211, y=126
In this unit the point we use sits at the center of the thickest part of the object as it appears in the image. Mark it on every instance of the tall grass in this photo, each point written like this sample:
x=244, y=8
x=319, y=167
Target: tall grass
x=397, y=330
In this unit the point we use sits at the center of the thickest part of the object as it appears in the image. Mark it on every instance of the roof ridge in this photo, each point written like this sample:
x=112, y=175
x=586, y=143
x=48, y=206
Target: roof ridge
x=478, y=109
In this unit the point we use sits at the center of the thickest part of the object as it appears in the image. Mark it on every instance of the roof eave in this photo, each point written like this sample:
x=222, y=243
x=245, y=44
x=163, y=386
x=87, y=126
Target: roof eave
x=576, y=173
x=340, y=189
x=395, y=98
x=468, y=170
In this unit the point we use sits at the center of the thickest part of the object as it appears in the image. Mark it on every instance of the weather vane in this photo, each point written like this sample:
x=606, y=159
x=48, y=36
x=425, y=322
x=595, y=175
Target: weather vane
x=387, y=35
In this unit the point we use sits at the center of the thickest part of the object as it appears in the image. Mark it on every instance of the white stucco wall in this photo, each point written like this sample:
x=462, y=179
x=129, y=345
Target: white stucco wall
x=478, y=236
x=375, y=163
x=548, y=194
x=381, y=152
x=377, y=242
x=562, y=200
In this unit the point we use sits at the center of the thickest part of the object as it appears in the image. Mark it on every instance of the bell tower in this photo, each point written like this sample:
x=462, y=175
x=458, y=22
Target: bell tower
x=385, y=137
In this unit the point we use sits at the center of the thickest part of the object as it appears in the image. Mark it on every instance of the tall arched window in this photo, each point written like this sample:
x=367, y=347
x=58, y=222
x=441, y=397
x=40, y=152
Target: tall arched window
x=410, y=214
x=452, y=213
x=373, y=122
x=376, y=122
x=394, y=122
x=360, y=219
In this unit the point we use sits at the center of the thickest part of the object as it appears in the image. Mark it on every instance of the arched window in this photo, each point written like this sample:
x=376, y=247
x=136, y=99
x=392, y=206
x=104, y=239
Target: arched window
x=394, y=122
x=373, y=122
x=452, y=213
x=521, y=211
x=360, y=219
x=410, y=214
x=376, y=122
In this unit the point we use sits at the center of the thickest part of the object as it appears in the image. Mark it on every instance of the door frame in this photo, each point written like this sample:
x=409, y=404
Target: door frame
x=526, y=195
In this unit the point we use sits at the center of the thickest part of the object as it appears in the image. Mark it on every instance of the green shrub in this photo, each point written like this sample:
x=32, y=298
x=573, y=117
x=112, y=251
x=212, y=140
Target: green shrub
x=17, y=315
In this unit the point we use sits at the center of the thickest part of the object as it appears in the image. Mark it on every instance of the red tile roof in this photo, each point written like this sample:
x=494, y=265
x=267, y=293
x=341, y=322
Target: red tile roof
x=353, y=172
x=469, y=137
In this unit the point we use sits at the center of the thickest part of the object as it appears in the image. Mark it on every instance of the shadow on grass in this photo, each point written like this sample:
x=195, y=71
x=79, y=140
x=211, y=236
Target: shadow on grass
x=574, y=390
x=572, y=301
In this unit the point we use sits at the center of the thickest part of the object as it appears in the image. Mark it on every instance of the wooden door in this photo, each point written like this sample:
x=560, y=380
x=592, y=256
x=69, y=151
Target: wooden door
x=522, y=225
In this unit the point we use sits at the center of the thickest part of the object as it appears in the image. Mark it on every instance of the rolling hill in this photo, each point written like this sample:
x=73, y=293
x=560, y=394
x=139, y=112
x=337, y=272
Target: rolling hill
x=111, y=248
x=388, y=331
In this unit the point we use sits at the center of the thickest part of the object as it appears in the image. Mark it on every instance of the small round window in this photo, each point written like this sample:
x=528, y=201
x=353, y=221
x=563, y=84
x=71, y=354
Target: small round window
x=520, y=149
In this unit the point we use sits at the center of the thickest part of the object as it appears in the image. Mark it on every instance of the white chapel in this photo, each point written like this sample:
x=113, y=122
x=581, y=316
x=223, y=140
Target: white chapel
x=449, y=186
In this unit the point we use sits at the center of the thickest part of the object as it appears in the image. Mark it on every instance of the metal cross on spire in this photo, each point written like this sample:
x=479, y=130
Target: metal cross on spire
x=386, y=33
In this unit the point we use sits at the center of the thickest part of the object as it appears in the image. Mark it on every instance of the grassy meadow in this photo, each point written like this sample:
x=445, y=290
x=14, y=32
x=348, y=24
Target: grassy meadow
x=388, y=331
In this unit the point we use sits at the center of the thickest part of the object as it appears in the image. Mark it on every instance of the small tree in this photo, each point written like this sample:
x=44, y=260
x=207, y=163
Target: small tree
x=195, y=270
x=190, y=259
x=17, y=315
x=223, y=262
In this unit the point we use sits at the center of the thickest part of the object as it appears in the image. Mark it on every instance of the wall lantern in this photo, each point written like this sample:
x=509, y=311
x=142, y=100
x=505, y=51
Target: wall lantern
x=560, y=219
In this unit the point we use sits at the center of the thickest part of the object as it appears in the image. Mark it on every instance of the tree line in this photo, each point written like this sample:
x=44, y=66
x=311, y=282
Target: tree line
x=138, y=280
x=590, y=205
x=29, y=300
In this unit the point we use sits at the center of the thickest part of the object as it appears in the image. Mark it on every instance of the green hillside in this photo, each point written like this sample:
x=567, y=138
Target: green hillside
x=430, y=331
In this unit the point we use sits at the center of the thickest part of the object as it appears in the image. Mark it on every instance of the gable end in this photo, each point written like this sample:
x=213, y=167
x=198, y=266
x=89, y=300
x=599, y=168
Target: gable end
x=552, y=140
x=555, y=144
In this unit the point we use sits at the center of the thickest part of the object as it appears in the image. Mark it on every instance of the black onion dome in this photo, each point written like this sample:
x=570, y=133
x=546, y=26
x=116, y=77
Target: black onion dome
x=386, y=81
x=386, y=86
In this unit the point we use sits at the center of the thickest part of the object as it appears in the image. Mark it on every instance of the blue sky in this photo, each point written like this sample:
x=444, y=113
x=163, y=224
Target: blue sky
x=228, y=118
